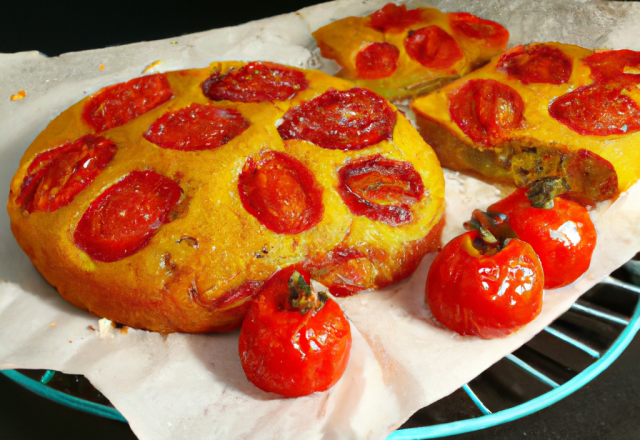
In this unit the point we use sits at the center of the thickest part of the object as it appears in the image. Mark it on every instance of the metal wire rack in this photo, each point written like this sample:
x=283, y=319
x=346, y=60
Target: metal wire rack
x=568, y=354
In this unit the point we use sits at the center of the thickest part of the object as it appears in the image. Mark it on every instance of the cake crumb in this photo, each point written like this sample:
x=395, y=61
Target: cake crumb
x=151, y=66
x=124, y=330
x=105, y=328
x=53, y=324
x=18, y=96
x=101, y=66
x=91, y=328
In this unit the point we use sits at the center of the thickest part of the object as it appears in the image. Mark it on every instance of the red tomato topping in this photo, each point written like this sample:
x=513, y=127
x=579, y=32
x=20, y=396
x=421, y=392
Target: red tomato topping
x=281, y=193
x=255, y=82
x=475, y=27
x=122, y=220
x=343, y=290
x=380, y=189
x=118, y=104
x=290, y=353
x=487, y=296
x=229, y=298
x=433, y=48
x=563, y=237
x=486, y=110
x=611, y=65
x=598, y=109
x=56, y=176
x=393, y=19
x=599, y=174
x=348, y=120
x=196, y=127
x=343, y=270
x=377, y=61
x=537, y=64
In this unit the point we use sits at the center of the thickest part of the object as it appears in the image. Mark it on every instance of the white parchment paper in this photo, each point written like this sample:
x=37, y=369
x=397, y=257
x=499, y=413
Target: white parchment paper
x=192, y=386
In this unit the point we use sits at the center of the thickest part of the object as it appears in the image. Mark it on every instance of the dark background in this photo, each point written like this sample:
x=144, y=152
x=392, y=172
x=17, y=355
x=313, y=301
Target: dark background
x=55, y=27
x=608, y=408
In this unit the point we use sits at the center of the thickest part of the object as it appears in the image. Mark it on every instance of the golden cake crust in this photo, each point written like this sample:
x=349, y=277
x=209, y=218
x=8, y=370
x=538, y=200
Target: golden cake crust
x=200, y=269
x=457, y=44
x=597, y=165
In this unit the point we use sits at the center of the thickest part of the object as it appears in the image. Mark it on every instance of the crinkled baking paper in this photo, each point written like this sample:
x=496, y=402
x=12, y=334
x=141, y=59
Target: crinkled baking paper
x=192, y=386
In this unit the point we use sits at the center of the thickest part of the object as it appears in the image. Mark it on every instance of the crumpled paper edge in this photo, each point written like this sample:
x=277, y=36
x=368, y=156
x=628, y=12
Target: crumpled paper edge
x=67, y=85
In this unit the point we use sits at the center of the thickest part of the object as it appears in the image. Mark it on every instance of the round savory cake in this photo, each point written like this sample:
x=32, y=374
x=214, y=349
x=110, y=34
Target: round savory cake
x=166, y=202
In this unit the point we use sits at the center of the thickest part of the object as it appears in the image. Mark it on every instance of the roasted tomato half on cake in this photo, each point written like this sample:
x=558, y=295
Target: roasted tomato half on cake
x=485, y=282
x=166, y=202
x=401, y=53
x=542, y=110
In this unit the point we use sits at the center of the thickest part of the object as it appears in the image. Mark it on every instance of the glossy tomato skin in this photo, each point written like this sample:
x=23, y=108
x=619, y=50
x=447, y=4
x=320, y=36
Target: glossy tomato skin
x=486, y=110
x=281, y=193
x=285, y=352
x=482, y=295
x=377, y=61
x=393, y=18
x=564, y=236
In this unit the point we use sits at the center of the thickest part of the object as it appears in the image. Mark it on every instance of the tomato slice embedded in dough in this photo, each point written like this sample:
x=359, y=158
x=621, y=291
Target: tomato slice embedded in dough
x=536, y=64
x=196, y=127
x=380, y=189
x=341, y=120
x=56, y=176
x=343, y=270
x=281, y=193
x=229, y=298
x=599, y=109
x=590, y=175
x=121, y=103
x=477, y=28
x=123, y=219
x=255, y=82
x=486, y=110
x=620, y=65
x=377, y=61
x=394, y=19
x=433, y=48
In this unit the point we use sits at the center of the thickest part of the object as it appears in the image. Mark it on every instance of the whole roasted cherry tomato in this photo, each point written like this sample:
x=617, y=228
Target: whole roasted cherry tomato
x=474, y=291
x=293, y=341
x=563, y=236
